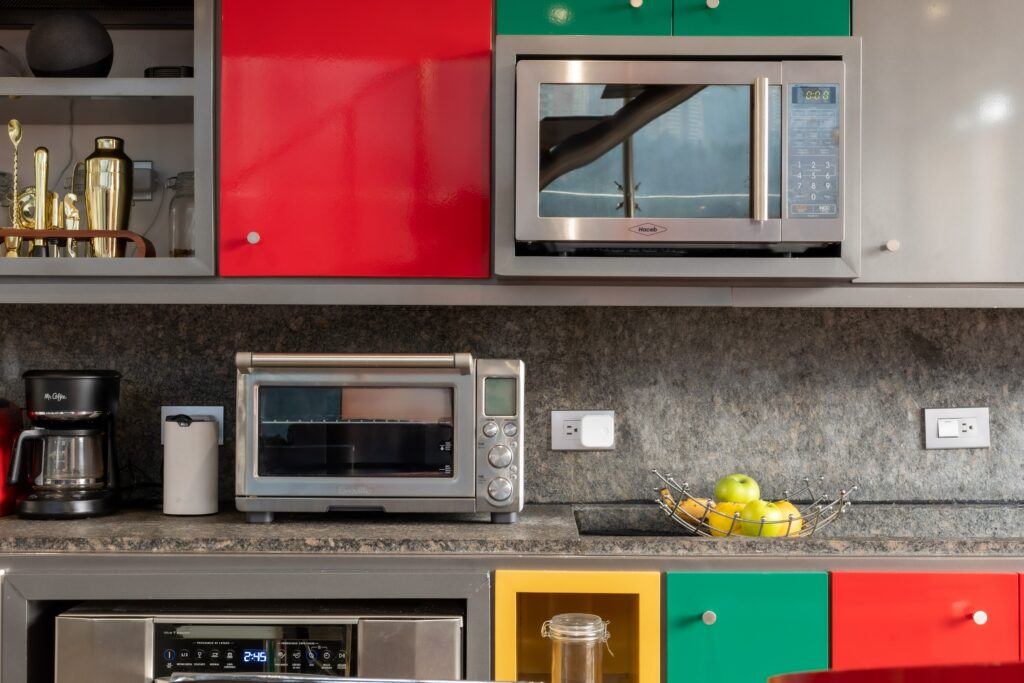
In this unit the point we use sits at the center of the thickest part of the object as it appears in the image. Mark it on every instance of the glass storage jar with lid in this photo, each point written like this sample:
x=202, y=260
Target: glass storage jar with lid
x=182, y=211
x=576, y=643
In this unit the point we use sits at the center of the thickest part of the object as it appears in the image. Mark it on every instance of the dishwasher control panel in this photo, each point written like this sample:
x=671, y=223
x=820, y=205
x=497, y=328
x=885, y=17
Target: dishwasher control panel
x=181, y=647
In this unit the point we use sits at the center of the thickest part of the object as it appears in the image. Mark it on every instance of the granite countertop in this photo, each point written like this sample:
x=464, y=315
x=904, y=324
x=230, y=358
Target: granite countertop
x=582, y=530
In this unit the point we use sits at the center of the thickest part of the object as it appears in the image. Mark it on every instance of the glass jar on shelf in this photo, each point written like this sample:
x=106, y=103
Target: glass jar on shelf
x=576, y=644
x=182, y=214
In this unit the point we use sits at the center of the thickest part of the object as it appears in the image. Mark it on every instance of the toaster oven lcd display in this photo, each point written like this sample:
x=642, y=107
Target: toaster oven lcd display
x=500, y=397
x=352, y=431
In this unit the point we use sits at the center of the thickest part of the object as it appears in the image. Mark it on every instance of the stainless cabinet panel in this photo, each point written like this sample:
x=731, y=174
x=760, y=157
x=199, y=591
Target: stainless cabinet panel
x=943, y=140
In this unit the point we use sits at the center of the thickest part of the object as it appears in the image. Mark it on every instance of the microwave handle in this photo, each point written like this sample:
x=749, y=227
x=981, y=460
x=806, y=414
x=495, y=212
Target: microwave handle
x=458, y=361
x=759, y=157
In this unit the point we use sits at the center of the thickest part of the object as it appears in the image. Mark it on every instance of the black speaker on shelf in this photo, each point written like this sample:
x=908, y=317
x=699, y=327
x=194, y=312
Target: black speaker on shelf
x=69, y=43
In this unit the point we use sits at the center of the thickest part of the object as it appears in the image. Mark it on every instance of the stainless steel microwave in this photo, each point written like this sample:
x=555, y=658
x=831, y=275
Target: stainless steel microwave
x=676, y=148
x=391, y=433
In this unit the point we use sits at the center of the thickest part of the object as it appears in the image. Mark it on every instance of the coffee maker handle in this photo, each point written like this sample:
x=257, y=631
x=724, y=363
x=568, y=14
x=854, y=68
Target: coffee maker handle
x=15, y=472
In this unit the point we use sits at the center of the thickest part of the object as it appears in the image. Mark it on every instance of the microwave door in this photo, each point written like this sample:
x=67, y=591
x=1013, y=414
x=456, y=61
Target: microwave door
x=648, y=152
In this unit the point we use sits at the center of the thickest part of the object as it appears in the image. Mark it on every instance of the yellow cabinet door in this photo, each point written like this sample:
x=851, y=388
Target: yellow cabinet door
x=629, y=601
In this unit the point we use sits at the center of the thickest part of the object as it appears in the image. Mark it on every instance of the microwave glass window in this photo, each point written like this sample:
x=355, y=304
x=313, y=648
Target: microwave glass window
x=500, y=396
x=326, y=431
x=669, y=151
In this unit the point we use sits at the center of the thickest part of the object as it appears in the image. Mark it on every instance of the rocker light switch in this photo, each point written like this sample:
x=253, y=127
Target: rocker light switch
x=948, y=428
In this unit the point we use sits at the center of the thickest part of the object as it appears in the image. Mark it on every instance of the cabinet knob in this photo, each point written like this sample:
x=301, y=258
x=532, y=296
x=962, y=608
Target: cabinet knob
x=713, y=4
x=253, y=237
x=709, y=617
x=979, y=618
x=636, y=3
x=892, y=245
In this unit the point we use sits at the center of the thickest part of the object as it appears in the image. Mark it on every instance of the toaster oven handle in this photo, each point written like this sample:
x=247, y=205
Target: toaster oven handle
x=759, y=156
x=457, y=361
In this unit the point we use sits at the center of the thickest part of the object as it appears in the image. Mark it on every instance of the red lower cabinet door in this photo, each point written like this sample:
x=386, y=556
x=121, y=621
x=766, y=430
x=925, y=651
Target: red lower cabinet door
x=355, y=138
x=886, y=620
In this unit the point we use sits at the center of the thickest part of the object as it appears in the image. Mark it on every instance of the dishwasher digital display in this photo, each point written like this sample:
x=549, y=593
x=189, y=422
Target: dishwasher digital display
x=325, y=649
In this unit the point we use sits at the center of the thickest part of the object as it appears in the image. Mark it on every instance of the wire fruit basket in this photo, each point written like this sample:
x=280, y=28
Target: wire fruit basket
x=700, y=516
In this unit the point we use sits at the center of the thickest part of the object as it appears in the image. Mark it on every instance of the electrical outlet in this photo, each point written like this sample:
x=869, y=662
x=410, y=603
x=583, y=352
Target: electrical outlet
x=217, y=412
x=582, y=430
x=956, y=428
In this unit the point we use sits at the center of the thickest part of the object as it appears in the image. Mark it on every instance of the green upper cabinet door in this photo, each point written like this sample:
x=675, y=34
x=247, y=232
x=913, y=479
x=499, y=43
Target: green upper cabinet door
x=744, y=627
x=763, y=18
x=585, y=17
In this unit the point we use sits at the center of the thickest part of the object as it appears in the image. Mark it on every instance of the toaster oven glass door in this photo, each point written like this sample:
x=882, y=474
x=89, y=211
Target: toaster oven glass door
x=356, y=432
x=642, y=153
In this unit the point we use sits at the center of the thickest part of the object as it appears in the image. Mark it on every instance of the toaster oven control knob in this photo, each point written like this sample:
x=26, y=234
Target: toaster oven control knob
x=500, y=456
x=510, y=429
x=491, y=429
x=500, y=489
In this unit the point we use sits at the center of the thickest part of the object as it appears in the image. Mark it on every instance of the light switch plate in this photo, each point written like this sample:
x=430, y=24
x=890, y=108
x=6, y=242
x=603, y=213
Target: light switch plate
x=571, y=429
x=956, y=428
x=217, y=412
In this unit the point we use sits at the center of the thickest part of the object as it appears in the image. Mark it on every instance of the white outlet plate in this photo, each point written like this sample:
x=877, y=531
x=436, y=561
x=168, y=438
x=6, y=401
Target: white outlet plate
x=956, y=428
x=568, y=427
x=217, y=412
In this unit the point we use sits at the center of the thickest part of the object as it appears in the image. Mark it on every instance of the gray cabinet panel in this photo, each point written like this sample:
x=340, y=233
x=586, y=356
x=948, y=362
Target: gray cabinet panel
x=943, y=140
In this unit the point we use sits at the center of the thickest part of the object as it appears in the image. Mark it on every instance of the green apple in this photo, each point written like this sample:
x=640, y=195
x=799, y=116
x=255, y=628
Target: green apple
x=737, y=488
x=756, y=510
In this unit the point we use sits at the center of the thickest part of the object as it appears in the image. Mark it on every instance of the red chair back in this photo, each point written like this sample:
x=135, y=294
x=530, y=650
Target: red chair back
x=961, y=673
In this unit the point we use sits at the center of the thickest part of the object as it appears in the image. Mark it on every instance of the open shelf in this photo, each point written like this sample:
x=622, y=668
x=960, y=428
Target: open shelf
x=97, y=87
x=103, y=267
x=630, y=601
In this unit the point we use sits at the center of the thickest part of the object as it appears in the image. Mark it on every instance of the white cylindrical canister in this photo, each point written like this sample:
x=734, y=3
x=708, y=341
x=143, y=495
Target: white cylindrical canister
x=190, y=465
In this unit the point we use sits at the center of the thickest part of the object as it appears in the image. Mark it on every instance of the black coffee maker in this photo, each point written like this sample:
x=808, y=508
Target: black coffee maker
x=68, y=454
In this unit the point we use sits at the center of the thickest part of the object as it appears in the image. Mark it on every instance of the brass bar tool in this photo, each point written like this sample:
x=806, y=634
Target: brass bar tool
x=42, y=159
x=72, y=221
x=13, y=244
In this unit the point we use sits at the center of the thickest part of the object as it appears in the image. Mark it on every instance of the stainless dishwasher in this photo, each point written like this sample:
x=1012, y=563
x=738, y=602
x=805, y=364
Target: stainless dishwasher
x=139, y=644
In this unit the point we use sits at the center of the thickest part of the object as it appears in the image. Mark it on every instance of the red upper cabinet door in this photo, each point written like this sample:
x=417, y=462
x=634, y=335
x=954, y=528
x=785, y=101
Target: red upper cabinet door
x=355, y=138
x=884, y=620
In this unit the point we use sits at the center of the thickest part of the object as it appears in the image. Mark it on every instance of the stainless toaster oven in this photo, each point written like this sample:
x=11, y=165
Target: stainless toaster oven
x=391, y=433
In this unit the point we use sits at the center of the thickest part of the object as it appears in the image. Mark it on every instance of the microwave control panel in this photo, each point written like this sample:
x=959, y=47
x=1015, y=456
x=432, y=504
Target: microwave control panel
x=324, y=649
x=814, y=134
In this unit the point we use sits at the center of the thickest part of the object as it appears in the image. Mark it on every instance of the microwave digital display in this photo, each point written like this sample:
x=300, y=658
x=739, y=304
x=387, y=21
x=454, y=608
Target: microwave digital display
x=353, y=431
x=500, y=397
x=814, y=94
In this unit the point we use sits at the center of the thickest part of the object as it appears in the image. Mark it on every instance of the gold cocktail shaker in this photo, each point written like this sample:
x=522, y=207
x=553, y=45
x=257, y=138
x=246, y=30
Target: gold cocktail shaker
x=108, y=193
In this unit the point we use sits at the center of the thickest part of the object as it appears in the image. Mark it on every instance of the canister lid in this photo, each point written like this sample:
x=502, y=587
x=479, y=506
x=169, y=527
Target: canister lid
x=576, y=626
x=184, y=420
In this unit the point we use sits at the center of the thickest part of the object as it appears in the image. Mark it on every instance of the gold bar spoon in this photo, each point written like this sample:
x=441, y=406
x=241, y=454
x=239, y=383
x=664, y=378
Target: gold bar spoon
x=13, y=244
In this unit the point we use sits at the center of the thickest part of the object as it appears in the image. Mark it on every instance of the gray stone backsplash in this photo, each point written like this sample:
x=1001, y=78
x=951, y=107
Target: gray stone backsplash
x=779, y=394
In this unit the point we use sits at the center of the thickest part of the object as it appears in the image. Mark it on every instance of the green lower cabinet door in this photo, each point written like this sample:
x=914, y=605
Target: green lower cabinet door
x=585, y=17
x=744, y=627
x=763, y=18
